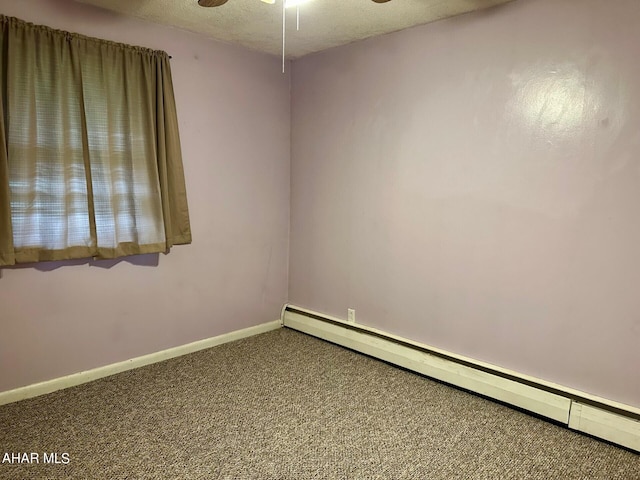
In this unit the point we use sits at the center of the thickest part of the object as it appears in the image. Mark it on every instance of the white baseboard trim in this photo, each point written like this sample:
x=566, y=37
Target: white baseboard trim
x=575, y=409
x=607, y=425
x=72, y=380
x=541, y=402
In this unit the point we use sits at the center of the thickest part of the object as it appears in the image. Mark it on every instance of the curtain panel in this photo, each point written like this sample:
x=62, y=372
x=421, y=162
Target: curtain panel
x=90, y=158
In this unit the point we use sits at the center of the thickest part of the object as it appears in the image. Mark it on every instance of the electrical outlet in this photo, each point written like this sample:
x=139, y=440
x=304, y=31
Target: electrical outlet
x=351, y=315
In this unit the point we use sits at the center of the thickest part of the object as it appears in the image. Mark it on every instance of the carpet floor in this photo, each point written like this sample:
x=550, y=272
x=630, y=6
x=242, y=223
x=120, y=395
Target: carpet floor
x=283, y=405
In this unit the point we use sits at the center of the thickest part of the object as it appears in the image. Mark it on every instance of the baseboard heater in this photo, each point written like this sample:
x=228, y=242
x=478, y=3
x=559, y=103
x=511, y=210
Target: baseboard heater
x=602, y=418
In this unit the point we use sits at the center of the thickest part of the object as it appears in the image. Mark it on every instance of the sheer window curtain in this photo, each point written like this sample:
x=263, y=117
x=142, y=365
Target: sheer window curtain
x=91, y=164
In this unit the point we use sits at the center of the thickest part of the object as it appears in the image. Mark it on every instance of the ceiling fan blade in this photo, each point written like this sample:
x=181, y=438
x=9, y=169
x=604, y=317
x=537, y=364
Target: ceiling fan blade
x=211, y=3
x=381, y=1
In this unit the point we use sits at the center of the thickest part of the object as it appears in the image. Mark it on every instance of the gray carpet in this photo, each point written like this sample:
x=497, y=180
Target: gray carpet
x=283, y=405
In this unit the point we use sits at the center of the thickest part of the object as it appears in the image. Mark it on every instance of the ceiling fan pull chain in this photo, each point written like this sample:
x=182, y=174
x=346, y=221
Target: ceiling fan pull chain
x=284, y=22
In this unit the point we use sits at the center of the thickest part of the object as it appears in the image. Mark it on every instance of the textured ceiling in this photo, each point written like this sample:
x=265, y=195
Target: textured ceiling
x=323, y=23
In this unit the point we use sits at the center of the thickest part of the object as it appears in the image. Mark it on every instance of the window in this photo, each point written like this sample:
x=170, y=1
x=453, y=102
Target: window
x=92, y=165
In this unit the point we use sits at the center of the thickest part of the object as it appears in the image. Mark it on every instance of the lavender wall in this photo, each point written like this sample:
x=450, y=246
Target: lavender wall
x=474, y=184
x=233, y=108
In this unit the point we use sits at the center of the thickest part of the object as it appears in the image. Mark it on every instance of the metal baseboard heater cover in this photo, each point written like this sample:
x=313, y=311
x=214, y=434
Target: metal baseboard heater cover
x=609, y=420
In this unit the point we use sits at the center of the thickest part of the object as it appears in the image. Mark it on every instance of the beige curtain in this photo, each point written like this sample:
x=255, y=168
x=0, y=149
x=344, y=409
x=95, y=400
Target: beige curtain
x=91, y=164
